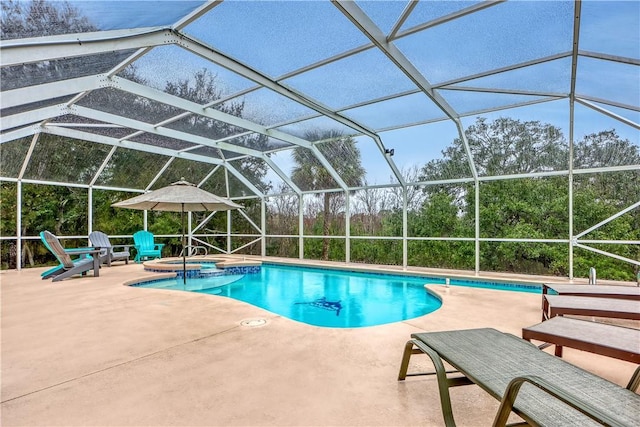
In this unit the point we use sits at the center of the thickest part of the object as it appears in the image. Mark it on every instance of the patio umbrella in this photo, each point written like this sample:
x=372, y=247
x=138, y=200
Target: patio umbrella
x=182, y=197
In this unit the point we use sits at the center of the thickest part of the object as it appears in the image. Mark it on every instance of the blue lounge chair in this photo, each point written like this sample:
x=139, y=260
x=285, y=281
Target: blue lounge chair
x=146, y=247
x=109, y=252
x=89, y=259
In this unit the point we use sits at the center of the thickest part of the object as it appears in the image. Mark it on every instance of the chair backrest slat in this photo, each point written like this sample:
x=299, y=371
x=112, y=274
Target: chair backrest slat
x=144, y=239
x=57, y=249
x=99, y=239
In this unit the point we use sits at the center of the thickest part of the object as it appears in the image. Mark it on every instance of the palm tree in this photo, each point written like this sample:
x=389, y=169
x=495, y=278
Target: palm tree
x=309, y=173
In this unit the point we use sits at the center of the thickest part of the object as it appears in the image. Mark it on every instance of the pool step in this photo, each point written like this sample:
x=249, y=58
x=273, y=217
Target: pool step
x=205, y=272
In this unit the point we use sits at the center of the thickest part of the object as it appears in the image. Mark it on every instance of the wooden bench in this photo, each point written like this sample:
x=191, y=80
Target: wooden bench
x=539, y=387
x=591, y=291
x=603, y=291
x=560, y=305
x=600, y=338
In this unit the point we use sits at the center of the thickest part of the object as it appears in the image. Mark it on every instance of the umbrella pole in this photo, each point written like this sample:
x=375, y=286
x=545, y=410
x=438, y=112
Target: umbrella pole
x=184, y=255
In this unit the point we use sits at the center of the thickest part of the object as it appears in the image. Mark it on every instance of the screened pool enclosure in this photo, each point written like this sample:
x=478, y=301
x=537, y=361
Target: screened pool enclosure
x=481, y=136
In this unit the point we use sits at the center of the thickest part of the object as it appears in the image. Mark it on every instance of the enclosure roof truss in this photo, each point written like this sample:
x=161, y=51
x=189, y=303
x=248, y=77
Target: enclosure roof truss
x=38, y=108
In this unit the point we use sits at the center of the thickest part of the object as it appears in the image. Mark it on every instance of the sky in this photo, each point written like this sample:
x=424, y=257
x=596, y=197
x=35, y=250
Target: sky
x=278, y=37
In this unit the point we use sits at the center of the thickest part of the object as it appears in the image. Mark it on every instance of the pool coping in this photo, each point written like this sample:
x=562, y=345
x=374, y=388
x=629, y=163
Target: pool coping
x=230, y=265
x=175, y=264
x=518, y=284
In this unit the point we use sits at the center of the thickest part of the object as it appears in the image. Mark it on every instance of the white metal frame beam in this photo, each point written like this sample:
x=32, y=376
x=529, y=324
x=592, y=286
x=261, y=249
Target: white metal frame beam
x=607, y=113
x=12, y=135
x=27, y=51
x=192, y=107
x=608, y=254
x=609, y=102
x=195, y=14
x=450, y=17
x=29, y=94
x=135, y=124
x=612, y=58
x=71, y=133
x=572, y=101
x=101, y=139
x=369, y=29
x=32, y=116
x=503, y=69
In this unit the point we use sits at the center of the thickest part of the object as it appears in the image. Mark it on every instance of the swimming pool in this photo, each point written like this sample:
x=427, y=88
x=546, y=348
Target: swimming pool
x=329, y=298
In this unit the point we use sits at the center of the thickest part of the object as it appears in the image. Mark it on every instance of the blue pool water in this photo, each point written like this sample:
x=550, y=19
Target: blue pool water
x=328, y=298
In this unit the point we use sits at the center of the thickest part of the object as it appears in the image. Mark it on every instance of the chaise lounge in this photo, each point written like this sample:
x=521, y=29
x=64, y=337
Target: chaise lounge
x=69, y=267
x=539, y=387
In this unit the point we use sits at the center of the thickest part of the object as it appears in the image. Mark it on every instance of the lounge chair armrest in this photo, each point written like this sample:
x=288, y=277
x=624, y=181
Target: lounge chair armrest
x=122, y=246
x=82, y=251
x=78, y=250
x=159, y=246
x=509, y=398
x=634, y=382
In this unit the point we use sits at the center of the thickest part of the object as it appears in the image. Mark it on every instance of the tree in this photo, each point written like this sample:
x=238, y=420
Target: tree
x=599, y=196
x=366, y=209
x=36, y=18
x=414, y=195
x=282, y=219
x=605, y=148
x=536, y=207
x=310, y=174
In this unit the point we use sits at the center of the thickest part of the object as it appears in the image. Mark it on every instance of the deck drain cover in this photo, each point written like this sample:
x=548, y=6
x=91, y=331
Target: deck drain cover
x=253, y=322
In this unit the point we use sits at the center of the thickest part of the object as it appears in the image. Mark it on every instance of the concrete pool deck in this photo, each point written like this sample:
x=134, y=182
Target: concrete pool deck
x=88, y=351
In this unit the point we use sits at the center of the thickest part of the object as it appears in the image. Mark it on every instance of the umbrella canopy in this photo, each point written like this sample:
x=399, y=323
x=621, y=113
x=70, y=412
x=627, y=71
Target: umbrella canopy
x=180, y=196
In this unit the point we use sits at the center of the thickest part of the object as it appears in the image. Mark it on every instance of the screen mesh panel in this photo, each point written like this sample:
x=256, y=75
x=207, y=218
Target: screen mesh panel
x=325, y=33
x=18, y=76
x=12, y=156
x=308, y=99
x=183, y=169
x=62, y=159
x=131, y=169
